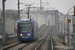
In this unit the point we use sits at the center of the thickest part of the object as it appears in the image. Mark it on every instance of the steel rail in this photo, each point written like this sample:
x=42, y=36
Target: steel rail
x=41, y=34
x=42, y=41
x=52, y=40
x=10, y=46
x=30, y=43
x=49, y=48
x=42, y=31
x=24, y=46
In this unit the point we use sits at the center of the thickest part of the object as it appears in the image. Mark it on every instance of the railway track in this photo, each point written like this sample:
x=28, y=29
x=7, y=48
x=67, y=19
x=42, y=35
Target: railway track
x=39, y=41
x=33, y=45
x=10, y=46
x=42, y=32
x=45, y=43
x=42, y=43
x=24, y=46
x=17, y=45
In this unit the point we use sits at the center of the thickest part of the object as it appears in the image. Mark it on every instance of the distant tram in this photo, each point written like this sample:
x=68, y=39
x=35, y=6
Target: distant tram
x=27, y=30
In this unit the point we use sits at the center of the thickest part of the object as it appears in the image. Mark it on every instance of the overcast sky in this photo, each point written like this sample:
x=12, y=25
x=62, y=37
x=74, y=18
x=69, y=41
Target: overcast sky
x=61, y=5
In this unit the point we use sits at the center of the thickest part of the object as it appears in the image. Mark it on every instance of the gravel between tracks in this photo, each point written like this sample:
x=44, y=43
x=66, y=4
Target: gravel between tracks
x=33, y=45
x=45, y=45
x=16, y=47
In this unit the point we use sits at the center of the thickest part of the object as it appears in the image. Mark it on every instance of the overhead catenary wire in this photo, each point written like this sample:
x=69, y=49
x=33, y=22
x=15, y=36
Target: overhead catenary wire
x=24, y=1
x=12, y=2
x=30, y=1
x=51, y=7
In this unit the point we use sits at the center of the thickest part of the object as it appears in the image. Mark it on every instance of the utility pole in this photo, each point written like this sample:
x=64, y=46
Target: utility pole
x=3, y=4
x=74, y=10
x=18, y=10
x=28, y=12
x=64, y=28
x=73, y=19
x=57, y=21
x=40, y=3
x=14, y=23
x=28, y=9
x=68, y=30
x=61, y=26
x=68, y=23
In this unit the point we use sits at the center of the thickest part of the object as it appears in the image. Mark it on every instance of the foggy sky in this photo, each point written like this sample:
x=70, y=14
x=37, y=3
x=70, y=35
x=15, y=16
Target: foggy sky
x=61, y=5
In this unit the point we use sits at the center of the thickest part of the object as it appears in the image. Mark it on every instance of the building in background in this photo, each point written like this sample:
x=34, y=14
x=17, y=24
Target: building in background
x=46, y=17
x=11, y=17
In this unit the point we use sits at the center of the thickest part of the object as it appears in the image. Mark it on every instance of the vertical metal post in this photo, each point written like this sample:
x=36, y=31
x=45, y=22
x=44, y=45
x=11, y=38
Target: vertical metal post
x=28, y=13
x=14, y=24
x=68, y=24
x=74, y=10
x=64, y=29
x=67, y=29
x=52, y=20
x=40, y=4
x=61, y=26
x=56, y=20
x=73, y=20
x=3, y=21
x=40, y=10
x=18, y=10
x=55, y=27
x=68, y=32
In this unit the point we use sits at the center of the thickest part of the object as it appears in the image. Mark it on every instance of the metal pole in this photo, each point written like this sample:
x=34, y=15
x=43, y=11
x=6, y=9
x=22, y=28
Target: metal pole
x=28, y=13
x=68, y=30
x=18, y=10
x=3, y=21
x=52, y=20
x=55, y=24
x=73, y=20
x=14, y=24
x=64, y=29
x=40, y=12
x=61, y=26
x=40, y=4
x=74, y=10
x=68, y=24
x=57, y=21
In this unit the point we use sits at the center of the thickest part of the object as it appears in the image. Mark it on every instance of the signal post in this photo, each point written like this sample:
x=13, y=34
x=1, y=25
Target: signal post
x=68, y=20
x=73, y=21
x=3, y=4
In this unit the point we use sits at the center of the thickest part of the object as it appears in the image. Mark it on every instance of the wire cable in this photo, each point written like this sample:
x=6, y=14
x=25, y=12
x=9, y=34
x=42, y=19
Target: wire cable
x=30, y=1
x=13, y=2
x=24, y=1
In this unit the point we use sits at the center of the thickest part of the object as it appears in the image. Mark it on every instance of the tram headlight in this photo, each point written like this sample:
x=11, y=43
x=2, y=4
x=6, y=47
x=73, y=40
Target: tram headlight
x=21, y=34
x=28, y=34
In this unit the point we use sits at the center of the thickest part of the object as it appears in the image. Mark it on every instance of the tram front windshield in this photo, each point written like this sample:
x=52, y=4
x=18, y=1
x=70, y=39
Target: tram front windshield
x=25, y=27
